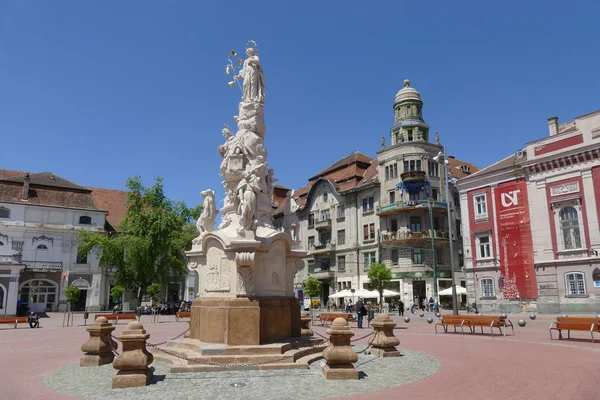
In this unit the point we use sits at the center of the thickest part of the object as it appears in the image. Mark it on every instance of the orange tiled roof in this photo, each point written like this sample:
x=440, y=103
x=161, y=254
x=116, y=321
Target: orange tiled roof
x=455, y=167
x=113, y=201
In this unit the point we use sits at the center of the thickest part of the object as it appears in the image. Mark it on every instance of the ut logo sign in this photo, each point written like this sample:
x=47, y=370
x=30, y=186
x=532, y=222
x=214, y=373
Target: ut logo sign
x=510, y=198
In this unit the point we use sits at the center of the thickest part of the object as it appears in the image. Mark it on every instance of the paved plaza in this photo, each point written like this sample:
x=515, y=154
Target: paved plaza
x=43, y=364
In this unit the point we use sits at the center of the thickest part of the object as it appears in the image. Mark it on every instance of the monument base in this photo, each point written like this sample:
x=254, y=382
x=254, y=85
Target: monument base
x=95, y=360
x=340, y=372
x=245, y=321
x=128, y=379
x=385, y=352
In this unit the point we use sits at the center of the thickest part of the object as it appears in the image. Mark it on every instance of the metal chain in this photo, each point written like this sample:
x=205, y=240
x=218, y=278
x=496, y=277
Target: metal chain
x=351, y=341
x=369, y=344
x=114, y=350
x=166, y=341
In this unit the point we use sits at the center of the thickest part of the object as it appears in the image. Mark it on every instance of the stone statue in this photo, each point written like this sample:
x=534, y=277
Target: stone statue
x=271, y=182
x=382, y=142
x=437, y=138
x=206, y=222
x=254, y=77
x=247, y=206
x=290, y=219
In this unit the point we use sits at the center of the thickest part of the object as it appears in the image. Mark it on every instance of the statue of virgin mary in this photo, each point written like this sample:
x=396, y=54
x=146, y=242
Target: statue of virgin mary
x=254, y=78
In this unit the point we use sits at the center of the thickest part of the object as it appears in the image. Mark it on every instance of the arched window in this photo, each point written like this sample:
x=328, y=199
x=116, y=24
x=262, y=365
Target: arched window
x=85, y=220
x=38, y=294
x=487, y=287
x=569, y=225
x=1, y=244
x=4, y=212
x=575, y=283
x=42, y=247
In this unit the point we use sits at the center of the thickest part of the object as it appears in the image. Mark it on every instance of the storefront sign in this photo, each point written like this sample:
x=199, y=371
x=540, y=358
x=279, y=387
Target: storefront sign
x=516, y=245
x=564, y=189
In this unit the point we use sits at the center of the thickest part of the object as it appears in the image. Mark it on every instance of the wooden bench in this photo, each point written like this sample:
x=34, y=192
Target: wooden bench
x=182, y=314
x=329, y=317
x=116, y=317
x=13, y=320
x=473, y=321
x=584, y=324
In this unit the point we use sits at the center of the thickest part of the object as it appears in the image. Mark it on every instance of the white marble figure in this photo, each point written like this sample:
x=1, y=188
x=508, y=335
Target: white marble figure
x=271, y=182
x=247, y=191
x=437, y=138
x=254, y=78
x=206, y=222
x=290, y=219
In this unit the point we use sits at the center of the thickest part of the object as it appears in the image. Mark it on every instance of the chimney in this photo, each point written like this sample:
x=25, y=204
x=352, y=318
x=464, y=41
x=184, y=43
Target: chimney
x=553, y=125
x=25, y=192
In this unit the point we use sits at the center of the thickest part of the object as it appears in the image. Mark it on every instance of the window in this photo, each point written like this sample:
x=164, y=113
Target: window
x=456, y=200
x=458, y=232
x=1, y=244
x=85, y=220
x=406, y=166
x=311, y=266
x=487, y=287
x=325, y=238
x=434, y=168
x=341, y=209
x=417, y=256
x=434, y=194
x=311, y=220
x=480, y=206
x=341, y=238
x=81, y=259
x=394, y=256
x=341, y=263
x=325, y=264
x=42, y=247
x=575, y=283
x=415, y=224
x=410, y=135
x=369, y=232
x=461, y=260
x=369, y=259
x=569, y=226
x=483, y=247
x=325, y=197
x=395, y=174
x=436, y=223
x=414, y=196
x=439, y=255
x=368, y=204
x=387, y=173
x=419, y=165
x=394, y=225
x=372, y=231
x=365, y=232
x=325, y=216
x=311, y=242
x=392, y=195
x=4, y=212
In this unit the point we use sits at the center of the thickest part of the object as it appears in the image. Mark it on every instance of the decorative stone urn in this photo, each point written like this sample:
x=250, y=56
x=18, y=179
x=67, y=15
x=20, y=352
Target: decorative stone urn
x=133, y=363
x=383, y=343
x=339, y=354
x=99, y=347
x=305, y=329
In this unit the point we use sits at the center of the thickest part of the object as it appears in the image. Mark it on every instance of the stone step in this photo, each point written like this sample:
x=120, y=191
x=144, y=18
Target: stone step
x=309, y=359
x=210, y=349
x=216, y=368
x=242, y=359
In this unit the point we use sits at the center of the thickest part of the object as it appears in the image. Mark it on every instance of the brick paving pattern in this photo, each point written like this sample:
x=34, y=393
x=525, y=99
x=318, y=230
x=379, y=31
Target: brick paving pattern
x=525, y=366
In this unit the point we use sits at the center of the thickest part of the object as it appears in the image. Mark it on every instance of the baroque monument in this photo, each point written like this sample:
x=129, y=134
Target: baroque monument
x=246, y=267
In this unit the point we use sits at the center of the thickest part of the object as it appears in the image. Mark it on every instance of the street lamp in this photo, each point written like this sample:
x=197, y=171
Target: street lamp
x=433, y=254
x=441, y=158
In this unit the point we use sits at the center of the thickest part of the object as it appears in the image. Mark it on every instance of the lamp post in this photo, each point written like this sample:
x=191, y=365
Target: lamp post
x=433, y=256
x=441, y=158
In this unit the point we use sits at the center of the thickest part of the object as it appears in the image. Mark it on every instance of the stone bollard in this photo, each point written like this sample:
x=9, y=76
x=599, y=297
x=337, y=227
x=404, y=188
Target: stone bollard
x=133, y=363
x=339, y=354
x=189, y=331
x=305, y=329
x=99, y=347
x=383, y=343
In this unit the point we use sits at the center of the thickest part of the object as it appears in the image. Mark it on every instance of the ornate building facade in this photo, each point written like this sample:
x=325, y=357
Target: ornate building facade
x=532, y=236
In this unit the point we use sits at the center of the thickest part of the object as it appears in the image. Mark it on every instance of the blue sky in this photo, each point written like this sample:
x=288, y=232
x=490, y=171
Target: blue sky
x=96, y=91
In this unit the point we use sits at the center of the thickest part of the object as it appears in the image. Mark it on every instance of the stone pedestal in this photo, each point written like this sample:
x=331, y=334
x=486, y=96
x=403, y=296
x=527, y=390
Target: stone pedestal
x=98, y=348
x=133, y=363
x=339, y=354
x=305, y=329
x=383, y=343
x=245, y=321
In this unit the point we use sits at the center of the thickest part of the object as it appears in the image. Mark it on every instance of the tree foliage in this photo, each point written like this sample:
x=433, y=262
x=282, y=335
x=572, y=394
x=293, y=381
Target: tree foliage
x=117, y=292
x=312, y=287
x=72, y=294
x=151, y=240
x=154, y=291
x=379, y=276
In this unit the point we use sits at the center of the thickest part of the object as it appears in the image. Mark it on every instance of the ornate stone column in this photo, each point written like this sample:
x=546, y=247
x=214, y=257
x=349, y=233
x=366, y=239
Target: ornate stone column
x=305, y=329
x=99, y=347
x=339, y=354
x=384, y=343
x=133, y=363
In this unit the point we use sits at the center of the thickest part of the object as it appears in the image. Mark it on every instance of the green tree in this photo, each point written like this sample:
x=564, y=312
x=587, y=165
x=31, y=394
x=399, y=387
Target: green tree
x=379, y=276
x=154, y=292
x=72, y=294
x=151, y=239
x=312, y=288
x=117, y=293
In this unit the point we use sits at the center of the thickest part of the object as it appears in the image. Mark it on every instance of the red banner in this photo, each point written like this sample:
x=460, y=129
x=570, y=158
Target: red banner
x=516, y=245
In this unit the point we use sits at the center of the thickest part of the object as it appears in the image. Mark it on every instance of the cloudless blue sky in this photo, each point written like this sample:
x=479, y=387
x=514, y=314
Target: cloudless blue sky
x=96, y=91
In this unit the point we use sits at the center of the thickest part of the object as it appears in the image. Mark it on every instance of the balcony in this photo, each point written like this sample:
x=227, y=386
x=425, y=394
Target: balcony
x=403, y=237
x=323, y=225
x=43, y=266
x=413, y=176
x=321, y=272
x=322, y=249
x=410, y=206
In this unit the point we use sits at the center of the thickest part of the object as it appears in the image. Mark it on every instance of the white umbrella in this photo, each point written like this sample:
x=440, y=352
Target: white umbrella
x=367, y=294
x=390, y=293
x=340, y=294
x=448, y=292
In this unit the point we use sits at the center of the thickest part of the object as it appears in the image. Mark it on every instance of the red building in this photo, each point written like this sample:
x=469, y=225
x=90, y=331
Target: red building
x=531, y=236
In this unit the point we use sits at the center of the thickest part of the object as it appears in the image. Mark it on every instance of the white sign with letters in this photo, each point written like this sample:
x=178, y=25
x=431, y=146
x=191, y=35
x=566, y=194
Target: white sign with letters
x=564, y=189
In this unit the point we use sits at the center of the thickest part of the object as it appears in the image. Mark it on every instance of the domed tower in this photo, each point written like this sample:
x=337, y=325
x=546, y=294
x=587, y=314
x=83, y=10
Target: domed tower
x=409, y=125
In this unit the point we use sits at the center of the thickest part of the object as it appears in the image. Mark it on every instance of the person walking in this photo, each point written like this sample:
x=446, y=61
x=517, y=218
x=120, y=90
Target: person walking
x=431, y=303
x=401, y=308
x=361, y=311
x=412, y=307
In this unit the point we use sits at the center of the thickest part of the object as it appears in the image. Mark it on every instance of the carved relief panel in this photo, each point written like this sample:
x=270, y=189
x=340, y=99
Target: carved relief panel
x=217, y=271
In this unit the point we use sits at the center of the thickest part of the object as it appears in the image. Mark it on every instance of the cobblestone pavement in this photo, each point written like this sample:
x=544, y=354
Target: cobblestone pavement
x=375, y=374
x=525, y=366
